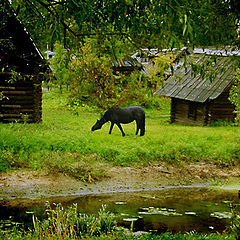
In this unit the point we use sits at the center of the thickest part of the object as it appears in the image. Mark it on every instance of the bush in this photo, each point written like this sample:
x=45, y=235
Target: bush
x=88, y=77
x=235, y=95
x=60, y=65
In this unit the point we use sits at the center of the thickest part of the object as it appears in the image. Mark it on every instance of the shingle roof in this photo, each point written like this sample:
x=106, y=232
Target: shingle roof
x=189, y=85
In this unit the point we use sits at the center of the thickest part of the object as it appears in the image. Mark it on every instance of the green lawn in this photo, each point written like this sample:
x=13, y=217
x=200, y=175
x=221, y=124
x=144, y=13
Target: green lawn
x=64, y=139
x=64, y=142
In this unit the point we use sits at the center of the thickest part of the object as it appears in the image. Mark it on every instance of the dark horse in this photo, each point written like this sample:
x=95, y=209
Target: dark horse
x=123, y=115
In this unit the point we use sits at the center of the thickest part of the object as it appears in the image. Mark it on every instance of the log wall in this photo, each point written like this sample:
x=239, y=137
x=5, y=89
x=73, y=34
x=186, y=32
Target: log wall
x=22, y=100
x=210, y=111
x=221, y=108
x=180, y=112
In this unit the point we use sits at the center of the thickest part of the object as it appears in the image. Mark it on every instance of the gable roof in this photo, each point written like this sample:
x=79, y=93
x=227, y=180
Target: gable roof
x=189, y=85
x=16, y=46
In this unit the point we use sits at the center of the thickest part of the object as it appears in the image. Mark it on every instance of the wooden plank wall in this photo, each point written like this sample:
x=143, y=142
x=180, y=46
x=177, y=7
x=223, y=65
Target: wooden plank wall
x=22, y=101
x=221, y=108
x=218, y=109
x=179, y=113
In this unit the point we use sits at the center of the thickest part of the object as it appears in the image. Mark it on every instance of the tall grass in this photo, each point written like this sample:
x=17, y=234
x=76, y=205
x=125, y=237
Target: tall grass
x=70, y=224
x=65, y=141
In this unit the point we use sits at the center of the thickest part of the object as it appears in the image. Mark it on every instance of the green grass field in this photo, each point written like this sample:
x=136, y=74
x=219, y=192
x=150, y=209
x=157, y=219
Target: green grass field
x=64, y=140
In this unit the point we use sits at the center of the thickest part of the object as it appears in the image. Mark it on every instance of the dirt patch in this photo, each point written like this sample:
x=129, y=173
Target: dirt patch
x=28, y=184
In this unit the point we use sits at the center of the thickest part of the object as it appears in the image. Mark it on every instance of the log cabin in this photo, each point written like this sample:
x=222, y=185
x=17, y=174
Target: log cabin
x=200, y=97
x=21, y=69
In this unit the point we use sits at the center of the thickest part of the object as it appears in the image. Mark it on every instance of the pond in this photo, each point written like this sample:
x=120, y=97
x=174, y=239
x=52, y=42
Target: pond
x=176, y=209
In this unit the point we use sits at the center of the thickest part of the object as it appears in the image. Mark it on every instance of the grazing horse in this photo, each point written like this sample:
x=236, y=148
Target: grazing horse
x=123, y=115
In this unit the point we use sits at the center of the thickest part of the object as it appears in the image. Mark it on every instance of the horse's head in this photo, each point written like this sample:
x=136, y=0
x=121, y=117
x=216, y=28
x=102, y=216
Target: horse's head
x=97, y=125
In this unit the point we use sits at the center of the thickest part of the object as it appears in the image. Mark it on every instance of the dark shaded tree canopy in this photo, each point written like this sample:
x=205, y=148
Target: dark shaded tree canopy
x=144, y=23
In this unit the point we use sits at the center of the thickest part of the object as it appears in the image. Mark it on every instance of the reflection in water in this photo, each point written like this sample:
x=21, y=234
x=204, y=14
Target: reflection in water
x=174, y=209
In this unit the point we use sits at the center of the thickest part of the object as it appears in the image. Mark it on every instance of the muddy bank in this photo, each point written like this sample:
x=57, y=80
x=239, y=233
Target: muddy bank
x=27, y=184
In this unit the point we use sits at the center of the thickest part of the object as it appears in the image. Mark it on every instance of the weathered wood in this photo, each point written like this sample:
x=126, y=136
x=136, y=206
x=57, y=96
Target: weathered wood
x=209, y=97
x=17, y=92
x=21, y=103
x=21, y=89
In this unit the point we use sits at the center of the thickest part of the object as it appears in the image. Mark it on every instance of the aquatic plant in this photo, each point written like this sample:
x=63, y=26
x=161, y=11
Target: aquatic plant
x=68, y=223
x=235, y=221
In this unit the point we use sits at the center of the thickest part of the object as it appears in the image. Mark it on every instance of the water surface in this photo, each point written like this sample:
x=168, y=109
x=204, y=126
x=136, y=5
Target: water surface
x=180, y=209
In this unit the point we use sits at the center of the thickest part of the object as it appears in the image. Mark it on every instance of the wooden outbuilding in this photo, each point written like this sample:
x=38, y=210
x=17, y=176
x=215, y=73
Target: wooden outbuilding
x=21, y=69
x=125, y=66
x=199, y=87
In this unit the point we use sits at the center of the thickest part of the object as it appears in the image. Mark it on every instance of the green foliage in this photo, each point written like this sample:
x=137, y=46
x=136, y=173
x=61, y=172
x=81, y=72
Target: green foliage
x=91, y=76
x=9, y=160
x=1, y=96
x=69, y=224
x=157, y=71
x=6, y=160
x=234, y=95
x=60, y=65
x=122, y=236
x=88, y=78
x=136, y=91
x=221, y=123
x=145, y=23
x=235, y=221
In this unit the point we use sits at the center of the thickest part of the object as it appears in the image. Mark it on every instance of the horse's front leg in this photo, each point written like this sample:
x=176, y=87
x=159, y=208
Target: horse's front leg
x=120, y=127
x=111, y=127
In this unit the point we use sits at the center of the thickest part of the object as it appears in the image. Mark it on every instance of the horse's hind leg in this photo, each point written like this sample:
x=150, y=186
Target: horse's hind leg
x=138, y=127
x=120, y=127
x=111, y=127
x=142, y=126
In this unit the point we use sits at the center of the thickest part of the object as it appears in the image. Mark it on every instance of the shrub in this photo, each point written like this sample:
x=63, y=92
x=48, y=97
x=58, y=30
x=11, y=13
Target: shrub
x=60, y=64
x=234, y=95
x=88, y=77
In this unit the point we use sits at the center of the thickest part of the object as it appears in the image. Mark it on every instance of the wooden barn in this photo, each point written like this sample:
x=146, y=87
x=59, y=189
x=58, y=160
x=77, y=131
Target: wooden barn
x=21, y=70
x=199, y=97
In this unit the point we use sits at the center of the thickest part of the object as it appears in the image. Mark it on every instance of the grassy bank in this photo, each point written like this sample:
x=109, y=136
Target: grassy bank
x=64, y=142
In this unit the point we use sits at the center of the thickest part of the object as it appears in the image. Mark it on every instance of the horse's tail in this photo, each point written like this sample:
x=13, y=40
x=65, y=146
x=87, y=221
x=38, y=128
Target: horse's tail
x=142, y=129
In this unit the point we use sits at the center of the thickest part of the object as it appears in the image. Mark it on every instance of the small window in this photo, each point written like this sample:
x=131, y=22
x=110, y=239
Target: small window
x=192, y=111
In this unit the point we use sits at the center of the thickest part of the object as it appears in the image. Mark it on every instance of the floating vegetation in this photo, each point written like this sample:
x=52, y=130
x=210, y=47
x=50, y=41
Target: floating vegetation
x=124, y=214
x=160, y=211
x=221, y=215
x=190, y=213
x=120, y=203
x=130, y=219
